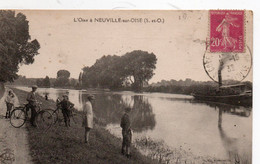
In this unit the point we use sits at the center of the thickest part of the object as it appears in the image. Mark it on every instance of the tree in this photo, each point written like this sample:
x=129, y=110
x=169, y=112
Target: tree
x=138, y=67
x=15, y=44
x=62, y=78
x=80, y=79
x=46, y=82
x=73, y=82
x=134, y=68
x=63, y=73
x=39, y=82
x=104, y=73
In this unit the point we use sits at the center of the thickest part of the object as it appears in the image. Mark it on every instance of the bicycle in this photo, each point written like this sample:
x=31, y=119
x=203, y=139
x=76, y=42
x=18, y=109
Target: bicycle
x=56, y=112
x=19, y=116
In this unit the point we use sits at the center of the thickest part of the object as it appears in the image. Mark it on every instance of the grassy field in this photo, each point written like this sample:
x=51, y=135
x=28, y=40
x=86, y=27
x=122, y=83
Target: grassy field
x=66, y=145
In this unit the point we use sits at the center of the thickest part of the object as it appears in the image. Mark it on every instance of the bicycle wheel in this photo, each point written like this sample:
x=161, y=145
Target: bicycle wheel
x=44, y=120
x=54, y=114
x=18, y=117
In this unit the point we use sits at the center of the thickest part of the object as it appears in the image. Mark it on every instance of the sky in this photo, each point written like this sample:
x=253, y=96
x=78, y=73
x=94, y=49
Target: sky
x=66, y=43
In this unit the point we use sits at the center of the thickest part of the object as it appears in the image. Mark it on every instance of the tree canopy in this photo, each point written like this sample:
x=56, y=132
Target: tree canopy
x=132, y=69
x=62, y=78
x=15, y=44
x=139, y=65
x=63, y=73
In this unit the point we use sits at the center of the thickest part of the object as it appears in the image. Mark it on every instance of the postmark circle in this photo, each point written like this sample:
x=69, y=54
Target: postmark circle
x=234, y=67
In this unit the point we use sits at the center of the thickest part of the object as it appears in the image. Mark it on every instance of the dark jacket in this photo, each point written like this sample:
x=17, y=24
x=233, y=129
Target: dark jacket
x=66, y=104
x=31, y=98
x=125, y=122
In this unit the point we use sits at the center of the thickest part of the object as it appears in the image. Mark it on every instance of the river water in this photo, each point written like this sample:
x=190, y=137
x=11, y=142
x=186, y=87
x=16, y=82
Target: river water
x=176, y=120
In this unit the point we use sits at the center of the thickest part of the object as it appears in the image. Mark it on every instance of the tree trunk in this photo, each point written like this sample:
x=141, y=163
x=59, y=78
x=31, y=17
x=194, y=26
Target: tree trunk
x=137, y=85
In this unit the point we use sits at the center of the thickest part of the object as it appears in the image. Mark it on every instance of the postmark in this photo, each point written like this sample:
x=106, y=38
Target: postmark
x=232, y=66
x=227, y=31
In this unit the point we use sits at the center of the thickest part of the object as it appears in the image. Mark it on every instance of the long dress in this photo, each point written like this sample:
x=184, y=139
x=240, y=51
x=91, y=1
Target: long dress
x=87, y=115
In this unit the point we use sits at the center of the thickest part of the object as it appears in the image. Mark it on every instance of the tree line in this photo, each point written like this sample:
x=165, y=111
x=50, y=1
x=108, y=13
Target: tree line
x=62, y=80
x=189, y=86
x=132, y=70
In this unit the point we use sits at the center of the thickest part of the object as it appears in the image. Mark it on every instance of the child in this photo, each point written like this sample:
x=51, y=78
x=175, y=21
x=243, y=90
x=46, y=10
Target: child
x=126, y=132
x=9, y=100
x=66, y=106
x=88, y=116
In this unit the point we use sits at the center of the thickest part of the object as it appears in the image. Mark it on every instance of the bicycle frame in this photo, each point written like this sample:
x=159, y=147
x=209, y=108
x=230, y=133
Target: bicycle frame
x=26, y=108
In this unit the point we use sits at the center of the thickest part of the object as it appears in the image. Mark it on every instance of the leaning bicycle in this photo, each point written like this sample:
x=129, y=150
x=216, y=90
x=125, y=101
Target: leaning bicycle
x=20, y=115
x=58, y=116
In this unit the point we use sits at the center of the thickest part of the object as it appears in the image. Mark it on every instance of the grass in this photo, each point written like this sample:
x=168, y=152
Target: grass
x=65, y=145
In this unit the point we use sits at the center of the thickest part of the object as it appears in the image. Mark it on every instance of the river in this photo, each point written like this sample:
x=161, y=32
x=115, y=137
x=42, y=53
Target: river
x=178, y=121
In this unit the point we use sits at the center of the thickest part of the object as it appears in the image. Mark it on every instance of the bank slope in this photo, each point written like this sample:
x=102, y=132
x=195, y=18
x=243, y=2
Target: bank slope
x=65, y=145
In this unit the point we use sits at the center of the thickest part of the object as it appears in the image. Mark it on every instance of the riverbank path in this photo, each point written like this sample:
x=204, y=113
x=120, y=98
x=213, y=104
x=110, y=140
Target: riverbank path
x=13, y=141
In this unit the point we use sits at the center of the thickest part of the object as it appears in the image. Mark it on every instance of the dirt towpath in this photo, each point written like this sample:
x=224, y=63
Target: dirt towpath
x=14, y=146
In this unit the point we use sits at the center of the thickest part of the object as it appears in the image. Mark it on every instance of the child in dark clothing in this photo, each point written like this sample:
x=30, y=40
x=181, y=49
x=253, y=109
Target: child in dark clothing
x=66, y=106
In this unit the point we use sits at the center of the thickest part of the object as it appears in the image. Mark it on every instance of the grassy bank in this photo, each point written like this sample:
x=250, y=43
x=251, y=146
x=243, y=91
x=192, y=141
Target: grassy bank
x=65, y=145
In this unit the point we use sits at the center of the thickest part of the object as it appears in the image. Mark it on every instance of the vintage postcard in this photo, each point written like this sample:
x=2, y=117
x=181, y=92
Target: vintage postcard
x=126, y=86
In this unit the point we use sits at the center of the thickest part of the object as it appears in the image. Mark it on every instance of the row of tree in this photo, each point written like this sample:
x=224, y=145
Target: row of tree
x=189, y=86
x=62, y=80
x=44, y=82
x=134, y=69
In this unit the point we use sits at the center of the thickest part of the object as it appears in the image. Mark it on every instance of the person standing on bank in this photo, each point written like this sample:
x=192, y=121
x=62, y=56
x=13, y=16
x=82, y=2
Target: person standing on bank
x=9, y=100
x=127, y=133
x=88, y=116
x=31, y=98
x=66, y=106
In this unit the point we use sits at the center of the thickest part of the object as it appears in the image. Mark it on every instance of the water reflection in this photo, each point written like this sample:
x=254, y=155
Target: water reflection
x=226, y=108
x=143, y=116
x=202, y=128
x=110, y=109
x=231, y=144
x=238, y=150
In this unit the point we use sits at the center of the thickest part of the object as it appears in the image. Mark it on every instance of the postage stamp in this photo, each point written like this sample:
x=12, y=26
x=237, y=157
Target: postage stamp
x=227, y=31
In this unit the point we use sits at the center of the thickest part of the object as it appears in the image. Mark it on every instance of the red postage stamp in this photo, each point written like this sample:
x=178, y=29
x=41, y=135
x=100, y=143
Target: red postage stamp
x=227, y=31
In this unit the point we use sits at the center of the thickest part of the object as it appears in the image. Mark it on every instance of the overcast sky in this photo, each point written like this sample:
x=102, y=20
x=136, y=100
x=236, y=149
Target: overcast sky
x=178, y=43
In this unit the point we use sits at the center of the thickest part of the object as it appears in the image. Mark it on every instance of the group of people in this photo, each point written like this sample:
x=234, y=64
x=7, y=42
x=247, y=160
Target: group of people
x=65, y=105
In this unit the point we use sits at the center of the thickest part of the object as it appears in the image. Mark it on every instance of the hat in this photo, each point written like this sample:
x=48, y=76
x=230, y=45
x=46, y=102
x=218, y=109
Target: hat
x=90, y=97
x=65, y=95
x=10, y=90
x=34, y=86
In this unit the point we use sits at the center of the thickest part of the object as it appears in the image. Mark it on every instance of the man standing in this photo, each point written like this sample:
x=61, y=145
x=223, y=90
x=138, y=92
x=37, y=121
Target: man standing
x=127, y=133
x=31, y=98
